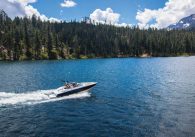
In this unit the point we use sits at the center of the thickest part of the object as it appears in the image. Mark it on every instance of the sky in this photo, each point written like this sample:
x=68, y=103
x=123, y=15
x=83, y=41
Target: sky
x=144, y=13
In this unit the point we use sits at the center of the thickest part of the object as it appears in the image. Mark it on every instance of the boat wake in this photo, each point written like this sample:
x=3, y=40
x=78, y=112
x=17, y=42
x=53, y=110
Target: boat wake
x=35, y=97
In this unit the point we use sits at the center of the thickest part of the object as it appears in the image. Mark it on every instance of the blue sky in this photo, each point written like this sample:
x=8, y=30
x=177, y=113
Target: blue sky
x=144, y=13
x=126, y=8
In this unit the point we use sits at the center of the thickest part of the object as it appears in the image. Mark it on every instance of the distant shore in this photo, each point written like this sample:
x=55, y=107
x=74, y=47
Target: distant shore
x=33, y=39
x=119, y=56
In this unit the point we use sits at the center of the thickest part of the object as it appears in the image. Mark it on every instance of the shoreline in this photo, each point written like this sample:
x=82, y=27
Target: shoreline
x=137, y=57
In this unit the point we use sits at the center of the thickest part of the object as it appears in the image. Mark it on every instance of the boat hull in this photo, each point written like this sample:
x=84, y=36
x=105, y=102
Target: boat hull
x=74, y=91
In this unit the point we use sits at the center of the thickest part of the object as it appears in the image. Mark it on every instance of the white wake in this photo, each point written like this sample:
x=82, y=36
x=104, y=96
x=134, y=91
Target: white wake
x=34, y=97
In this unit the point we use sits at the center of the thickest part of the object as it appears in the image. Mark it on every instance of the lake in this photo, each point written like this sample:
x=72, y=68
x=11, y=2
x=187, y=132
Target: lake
x=133, y=97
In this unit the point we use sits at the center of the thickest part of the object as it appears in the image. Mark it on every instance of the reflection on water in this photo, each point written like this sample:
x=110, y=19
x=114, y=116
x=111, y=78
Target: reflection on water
x=134, y=97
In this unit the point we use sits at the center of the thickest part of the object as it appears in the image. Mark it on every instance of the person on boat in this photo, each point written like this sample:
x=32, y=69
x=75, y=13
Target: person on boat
x=66, y=86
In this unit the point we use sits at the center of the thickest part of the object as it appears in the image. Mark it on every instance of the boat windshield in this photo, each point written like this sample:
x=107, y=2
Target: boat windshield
x=71, y=85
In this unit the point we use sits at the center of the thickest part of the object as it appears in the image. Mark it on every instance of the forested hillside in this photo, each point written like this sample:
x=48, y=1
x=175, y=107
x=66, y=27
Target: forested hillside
x=33, y=39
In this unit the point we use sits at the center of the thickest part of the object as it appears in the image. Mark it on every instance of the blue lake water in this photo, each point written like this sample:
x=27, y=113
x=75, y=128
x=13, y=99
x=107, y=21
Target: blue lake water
x=133, y=97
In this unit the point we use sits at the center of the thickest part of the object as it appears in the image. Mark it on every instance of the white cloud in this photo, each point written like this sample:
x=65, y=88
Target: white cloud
x=25, y=1
x=107, y=16
x=68, y=3
x=172, y=12
x=23, y=8
x=123, y=25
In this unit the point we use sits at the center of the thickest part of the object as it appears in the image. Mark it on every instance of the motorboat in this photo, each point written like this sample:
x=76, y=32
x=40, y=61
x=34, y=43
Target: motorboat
x=71, y=88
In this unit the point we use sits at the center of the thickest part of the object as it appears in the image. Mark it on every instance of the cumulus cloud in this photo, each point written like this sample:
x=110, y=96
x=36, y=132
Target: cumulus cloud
x=12, y=8
x=123, y=25
x=68, y=3
x=172, y=12
x=107, y=16
x=23, y=8
x=25, y=1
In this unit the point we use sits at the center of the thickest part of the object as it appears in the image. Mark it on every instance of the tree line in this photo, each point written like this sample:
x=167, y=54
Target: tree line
x=32, y=39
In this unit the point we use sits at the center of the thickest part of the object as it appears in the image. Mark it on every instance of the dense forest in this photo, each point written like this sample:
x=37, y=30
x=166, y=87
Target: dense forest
x=33, y=39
